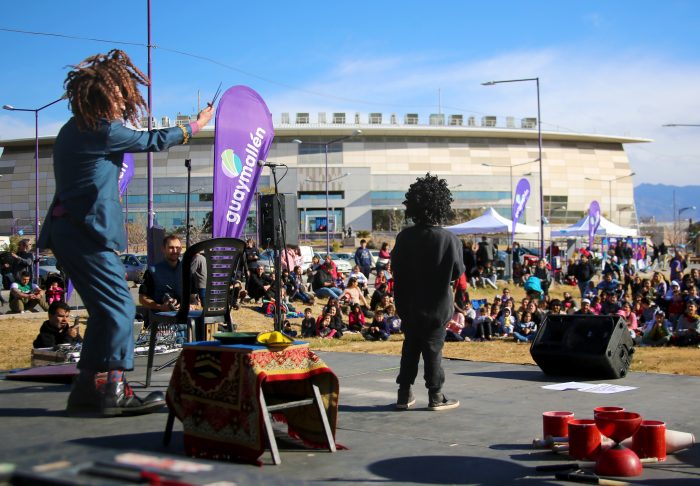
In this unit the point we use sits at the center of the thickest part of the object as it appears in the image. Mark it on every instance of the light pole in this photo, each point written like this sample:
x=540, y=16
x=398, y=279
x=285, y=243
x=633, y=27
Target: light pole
x=539, y=148
x=510, y=171
x=610, y=181
x=187, y=203
x=680, y=211
x=619, y=210
x=325, y=146
x=36, y=176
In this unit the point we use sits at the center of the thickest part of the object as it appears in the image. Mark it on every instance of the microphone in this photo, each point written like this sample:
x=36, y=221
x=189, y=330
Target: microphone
x=264, y=163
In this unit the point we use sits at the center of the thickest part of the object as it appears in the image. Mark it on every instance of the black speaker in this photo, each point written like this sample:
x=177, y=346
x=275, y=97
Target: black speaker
x=596, y=347
x=273, y=210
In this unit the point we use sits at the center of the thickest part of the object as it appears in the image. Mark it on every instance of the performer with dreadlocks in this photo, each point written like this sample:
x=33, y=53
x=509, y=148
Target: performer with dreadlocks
x=425, y=259
x=84, y=225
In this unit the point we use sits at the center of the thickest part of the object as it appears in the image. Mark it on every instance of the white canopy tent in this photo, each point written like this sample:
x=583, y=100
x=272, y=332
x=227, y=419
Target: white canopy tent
x=606, y=228
x=490, y=223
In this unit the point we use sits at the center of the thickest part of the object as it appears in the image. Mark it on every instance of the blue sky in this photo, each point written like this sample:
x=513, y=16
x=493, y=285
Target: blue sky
x=616, y=67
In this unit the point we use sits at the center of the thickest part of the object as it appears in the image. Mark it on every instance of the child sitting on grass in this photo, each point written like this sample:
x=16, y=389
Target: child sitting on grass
x=356, y=318
x=324, y=329
x=308, y=325
x=377, y=329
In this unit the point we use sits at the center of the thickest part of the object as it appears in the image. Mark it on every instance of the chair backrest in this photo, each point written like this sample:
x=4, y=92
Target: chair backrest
x=223, y=255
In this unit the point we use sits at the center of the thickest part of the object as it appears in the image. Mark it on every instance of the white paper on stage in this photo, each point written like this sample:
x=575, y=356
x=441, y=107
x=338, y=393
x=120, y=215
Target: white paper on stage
x=569, y=385
x=603, y=388
x=608, y=388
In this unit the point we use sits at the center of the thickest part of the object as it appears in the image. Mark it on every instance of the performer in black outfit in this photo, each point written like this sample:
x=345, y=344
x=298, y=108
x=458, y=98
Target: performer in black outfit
x=425, y=259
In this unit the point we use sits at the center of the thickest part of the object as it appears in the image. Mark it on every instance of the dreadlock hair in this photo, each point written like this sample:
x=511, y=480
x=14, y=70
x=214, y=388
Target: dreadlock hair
x=95, y=85
x=428, y=201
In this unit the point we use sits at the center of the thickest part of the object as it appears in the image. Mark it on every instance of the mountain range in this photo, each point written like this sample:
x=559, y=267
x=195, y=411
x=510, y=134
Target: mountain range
x=657, y=201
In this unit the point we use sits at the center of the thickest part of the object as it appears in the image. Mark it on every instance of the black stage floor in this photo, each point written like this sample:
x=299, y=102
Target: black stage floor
x=485, y=441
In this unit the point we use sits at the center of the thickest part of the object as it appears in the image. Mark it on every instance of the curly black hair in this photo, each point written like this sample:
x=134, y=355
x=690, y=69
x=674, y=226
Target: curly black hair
x=429, y=201
x=106, y=86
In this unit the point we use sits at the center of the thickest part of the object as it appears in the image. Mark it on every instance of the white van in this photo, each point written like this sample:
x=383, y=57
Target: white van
x=307, y=253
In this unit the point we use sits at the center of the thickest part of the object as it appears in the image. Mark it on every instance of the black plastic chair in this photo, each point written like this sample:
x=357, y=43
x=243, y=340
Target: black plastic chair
x=222, y=256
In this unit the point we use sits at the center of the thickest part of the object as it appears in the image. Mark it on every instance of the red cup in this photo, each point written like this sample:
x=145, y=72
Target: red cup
x=650, y=440
x=584, y=439
x=607, y=409
x=556, y=424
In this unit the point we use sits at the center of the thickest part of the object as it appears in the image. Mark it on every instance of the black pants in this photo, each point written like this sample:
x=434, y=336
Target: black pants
x=422, y=339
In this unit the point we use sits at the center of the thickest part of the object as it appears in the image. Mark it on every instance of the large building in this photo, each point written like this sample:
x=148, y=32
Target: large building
x=369, y=173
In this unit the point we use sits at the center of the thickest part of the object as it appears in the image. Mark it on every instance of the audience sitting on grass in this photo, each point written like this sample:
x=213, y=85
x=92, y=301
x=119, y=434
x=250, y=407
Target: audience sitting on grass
x=454, y=327
x=297, y=289
x=506, y=323
x=382, y=285
x=24, y=295
x=260, y=285
x=323, y=285
x=308, y=325
x=526, y=329
x=324, y=328
x=362, y=281
x=353, y=295
x=356, y=319
x=377, y=330
x=657, y=332
x=393, y=321
x=483, y=325
x=556, y=307
x=585, y=309
x=58, y=329
x=287, y=329
x=687, y=327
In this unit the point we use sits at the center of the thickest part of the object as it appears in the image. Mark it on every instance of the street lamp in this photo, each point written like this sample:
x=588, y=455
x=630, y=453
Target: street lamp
x=610, y=181
x=681, y=210
x=36, y=175
x=539, y=147
x=619, y=211
x=187, y=204
x=510, y=170
x=325, y=146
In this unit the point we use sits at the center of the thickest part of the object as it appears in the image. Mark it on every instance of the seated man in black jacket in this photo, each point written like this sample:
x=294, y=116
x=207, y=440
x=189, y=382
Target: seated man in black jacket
x=57, y=330
x=260, y=286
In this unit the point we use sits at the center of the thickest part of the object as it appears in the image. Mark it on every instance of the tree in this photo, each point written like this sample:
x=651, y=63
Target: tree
x=137, y=233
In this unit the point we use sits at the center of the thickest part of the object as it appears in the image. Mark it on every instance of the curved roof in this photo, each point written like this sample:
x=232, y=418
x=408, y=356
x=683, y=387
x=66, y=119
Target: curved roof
x=386, y=130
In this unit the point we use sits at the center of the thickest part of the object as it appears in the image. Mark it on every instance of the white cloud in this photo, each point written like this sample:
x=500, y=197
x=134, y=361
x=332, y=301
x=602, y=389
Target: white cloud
x=628, y=94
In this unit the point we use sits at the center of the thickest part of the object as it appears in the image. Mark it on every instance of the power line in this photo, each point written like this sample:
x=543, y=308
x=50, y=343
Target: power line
x=212, y=61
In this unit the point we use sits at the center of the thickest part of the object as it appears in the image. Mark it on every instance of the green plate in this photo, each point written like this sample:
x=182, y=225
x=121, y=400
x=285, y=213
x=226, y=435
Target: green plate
x=236, y=337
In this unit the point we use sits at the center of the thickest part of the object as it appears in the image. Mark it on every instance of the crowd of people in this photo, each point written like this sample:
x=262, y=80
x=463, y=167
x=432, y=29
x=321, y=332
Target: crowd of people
x=349, y=306
x=657, y=311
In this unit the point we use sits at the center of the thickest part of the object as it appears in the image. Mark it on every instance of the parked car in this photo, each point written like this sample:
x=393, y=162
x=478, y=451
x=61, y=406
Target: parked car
x=341, y=264
x=375, y=257
x=134, y=266
x=267, y=260
x=47, y=267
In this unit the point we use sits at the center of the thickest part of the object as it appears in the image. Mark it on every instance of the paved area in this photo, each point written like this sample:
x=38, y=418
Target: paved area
x=485, y=441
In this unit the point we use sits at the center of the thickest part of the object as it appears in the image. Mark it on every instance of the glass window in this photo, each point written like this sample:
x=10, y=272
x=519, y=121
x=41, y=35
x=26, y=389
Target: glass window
x=321, y=195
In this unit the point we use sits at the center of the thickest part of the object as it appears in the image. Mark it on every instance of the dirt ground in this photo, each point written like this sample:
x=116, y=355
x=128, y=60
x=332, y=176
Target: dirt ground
x=20, y=331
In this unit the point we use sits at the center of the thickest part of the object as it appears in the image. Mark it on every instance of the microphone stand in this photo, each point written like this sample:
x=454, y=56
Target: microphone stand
x=278, y=244
x=188, y=164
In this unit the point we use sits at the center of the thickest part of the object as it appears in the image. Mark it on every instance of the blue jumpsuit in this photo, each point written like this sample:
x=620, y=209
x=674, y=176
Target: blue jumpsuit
x=85, y=226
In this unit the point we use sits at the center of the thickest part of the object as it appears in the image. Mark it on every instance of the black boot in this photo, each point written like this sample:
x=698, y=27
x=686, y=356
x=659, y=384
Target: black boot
x=437, y=401
x=405, y=399
x=85, y=399
x=119, y=399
